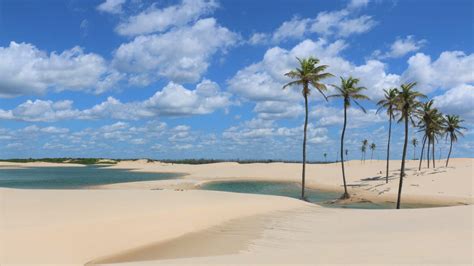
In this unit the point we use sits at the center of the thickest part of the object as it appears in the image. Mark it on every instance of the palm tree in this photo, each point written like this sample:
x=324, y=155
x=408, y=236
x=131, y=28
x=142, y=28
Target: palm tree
x=372, y=149
x=426, y=115
x=414, y=142
x=325, y=155
x=431, y=125
x=407, y=104
x=435, y=132
x=452, y=128
x=308, y=73
x=388, y=103
x=364, y=147
x=346, y=152
x=349, y=92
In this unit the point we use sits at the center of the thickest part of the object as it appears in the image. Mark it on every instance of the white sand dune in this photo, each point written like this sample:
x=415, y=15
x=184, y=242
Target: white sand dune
x=135, y=225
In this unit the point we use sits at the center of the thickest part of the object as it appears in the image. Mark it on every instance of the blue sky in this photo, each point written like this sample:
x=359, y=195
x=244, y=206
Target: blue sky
x=203, y=78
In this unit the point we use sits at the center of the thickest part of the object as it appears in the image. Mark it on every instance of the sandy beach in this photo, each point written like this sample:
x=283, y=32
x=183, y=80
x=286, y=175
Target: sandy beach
x=169, y=222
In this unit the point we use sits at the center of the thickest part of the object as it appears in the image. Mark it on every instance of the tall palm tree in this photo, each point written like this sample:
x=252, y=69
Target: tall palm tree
x=452, y=128
x=430, y=124
x=347, y=153
x=364, y=147
x=426, y=116
x=435, y=132
x=309, y=73
x=407, y=105
x=325, y=155
x=414, y=142
x=349, y=92
x=388, y=103
x=372, y=149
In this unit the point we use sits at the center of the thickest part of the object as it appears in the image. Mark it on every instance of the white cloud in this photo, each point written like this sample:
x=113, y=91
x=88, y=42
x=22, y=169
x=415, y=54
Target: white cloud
x=262, y=82
x=357, y=4
x=401, y=47
x=458, y=100
x=172, y=100
x=111, y=6
x=39, y=110
x=451, y=69
x=180, y=55
x=293, y=29
x=330, y=116
x=25, y=70
x=258, y=38
x=158, y=20
x=340, y=23
x=278, y=109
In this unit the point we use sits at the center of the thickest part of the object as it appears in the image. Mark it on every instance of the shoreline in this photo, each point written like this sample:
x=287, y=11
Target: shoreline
x=193, y=176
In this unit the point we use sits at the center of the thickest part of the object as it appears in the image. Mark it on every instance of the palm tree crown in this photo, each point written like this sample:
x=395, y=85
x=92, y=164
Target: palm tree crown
x=389, y=102
x=350, y=92
x=308, y=73
x=452, y=127
x=407, y=101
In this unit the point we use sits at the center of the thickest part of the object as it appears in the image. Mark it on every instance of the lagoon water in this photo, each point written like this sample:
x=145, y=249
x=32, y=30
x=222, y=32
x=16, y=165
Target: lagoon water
x=72, y=177
x=293, y=190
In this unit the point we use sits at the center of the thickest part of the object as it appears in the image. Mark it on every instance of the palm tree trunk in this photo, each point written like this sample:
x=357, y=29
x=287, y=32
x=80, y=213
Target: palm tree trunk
x=346, y=194
x=428, y=151
x=388, y=146
x=449, y=154
x=422, y=150
x=303, y=175
x=433, y=155
x=371, y=154
x=402, y=168
x=414, y=152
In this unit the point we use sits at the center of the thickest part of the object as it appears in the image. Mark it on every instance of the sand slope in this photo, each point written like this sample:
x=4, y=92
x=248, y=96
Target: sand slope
x=76, y=226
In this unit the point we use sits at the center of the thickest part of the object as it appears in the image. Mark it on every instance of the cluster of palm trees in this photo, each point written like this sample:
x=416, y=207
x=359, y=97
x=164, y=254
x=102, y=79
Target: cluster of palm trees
x=402, y=104
x=363, y=150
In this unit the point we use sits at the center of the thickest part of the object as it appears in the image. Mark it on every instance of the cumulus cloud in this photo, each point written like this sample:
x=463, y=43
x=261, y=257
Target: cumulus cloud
x=172, y=100
x=262, y=82
x=296, y=28
x=329, y=116
x=41, y=111
x=111, y=6
x=155, y=19
x=181, y=55
x=458, y=100
x=339, y=23
x=401, y=47
x=26, y=70
x=451, y=69
x=256, y=130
